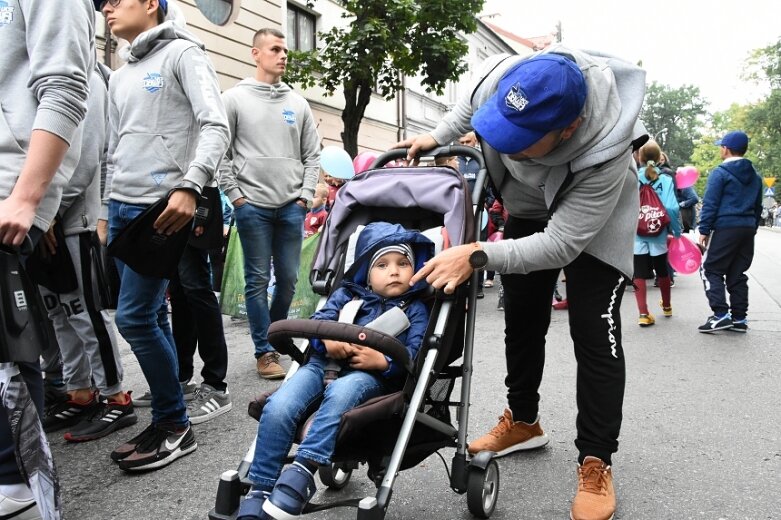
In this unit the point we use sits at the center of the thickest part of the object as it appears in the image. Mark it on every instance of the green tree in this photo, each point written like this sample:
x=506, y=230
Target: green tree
x=384, y=40
x=674, y=116
x=763, y=120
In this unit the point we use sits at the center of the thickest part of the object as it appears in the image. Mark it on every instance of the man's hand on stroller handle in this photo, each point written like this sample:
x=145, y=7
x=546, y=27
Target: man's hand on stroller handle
x=417, y=144
x=447, y=270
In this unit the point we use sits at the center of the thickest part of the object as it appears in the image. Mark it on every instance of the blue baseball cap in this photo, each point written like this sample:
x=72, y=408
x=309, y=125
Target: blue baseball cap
x=537, y=96
x=163, y=5
x=735, y=140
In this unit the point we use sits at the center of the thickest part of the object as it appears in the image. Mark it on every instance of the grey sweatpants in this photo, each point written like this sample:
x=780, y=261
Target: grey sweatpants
x=88, y=345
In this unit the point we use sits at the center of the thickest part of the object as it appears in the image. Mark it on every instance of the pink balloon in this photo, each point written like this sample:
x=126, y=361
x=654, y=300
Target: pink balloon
x=363, y=161
x=496, y=236
x=683, y=254
x=686, y=176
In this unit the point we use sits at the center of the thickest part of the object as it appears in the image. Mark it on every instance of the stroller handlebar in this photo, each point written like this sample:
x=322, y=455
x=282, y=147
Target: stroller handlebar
x=287, y=329
x=441, y=151
x=24, y=249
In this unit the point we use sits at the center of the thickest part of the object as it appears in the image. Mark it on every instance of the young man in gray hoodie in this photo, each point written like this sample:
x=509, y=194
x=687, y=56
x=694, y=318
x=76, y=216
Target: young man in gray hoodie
x=46, y=60
x=557, y=131
x=168, y=134
x=269, y=174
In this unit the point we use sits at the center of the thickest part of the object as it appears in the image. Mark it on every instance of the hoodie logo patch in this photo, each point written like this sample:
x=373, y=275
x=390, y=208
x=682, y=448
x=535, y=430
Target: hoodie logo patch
x=158, y=177
x=516, y=98
x=6, y=14
x=153, y=82
x=289, y=116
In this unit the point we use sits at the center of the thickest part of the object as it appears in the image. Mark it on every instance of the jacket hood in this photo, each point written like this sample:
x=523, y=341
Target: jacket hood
x=265, y=90
x=742, y=169
x=609, y=118
x=157, y=37
x=380, y=234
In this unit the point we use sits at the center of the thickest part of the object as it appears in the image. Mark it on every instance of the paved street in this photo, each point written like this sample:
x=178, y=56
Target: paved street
x=700, y=438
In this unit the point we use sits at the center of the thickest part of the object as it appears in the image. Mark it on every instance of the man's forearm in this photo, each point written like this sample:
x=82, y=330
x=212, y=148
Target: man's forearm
x=44, y=156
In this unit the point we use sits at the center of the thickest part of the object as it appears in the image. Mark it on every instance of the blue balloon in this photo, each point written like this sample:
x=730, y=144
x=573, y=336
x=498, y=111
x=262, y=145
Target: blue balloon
x=337, y=163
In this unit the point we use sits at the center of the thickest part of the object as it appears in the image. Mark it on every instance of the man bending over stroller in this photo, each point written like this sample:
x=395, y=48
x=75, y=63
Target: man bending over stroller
x=386, y=257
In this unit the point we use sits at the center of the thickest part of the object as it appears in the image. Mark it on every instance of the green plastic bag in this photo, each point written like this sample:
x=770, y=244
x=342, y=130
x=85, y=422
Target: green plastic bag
x=232, y=291
x=232, y=301
x=305, y=300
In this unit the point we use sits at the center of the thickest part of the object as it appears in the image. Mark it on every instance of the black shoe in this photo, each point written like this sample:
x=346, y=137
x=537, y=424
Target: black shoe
x=480, y=295
x=160, y=448
x=500, y=305
x=716, y=323
x=53, y=395
x=128, y=448
x=739, y=326
x=107, y=418
x=67, y=413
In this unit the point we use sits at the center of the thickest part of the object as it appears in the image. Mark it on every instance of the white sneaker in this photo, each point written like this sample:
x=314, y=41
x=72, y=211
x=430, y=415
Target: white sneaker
x=19, y=508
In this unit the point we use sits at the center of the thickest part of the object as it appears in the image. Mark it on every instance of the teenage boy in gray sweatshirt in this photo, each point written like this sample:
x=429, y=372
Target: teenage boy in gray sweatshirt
x=84, y=332
x=270, y=178
x=47, y=55
x=557, y=130
x=168, y=134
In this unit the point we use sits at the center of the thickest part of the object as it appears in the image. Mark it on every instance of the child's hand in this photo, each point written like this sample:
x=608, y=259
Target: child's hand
x=338, y=349
x=365, y=358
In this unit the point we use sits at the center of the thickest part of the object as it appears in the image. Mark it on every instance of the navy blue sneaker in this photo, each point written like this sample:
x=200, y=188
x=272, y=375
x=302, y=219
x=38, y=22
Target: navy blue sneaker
x=739, y=325
x=251, y=507
x=292, y=492
x=716, y=323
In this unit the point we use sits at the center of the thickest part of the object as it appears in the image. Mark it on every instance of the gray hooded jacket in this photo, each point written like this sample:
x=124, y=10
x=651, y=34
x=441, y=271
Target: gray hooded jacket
x=167, y=121
x=597, y=212
x=47, y=56
x=274, y=157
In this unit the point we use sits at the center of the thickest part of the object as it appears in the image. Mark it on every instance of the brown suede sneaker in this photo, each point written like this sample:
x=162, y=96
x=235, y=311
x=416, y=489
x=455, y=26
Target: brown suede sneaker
x=269, y=367
x=596, y=498
x=509, y=436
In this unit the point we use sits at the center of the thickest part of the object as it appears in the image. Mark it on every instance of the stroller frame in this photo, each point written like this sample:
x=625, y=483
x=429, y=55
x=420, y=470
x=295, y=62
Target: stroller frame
x=477, y=476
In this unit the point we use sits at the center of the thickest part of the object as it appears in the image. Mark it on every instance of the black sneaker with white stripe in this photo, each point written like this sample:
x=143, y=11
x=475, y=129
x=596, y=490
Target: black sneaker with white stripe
x=107, y=418
x=160, y=446
x=67, y=413
x=208, y=403
x=716, y=323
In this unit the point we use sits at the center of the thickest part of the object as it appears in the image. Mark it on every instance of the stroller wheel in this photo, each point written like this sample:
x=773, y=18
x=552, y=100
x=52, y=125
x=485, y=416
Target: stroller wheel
x=334, y=476
x=482, y=489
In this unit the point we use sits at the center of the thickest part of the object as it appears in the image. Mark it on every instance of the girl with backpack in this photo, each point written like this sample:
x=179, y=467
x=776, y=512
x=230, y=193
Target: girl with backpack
x=658, y=216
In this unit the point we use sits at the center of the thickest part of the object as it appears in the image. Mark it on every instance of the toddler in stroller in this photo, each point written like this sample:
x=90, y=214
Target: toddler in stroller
x=397, y=430
x=386, y=258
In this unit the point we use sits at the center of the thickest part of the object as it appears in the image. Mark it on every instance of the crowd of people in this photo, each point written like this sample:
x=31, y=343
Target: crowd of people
x=90, y=152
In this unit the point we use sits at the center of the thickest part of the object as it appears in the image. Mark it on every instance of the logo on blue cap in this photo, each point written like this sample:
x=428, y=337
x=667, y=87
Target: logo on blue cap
x=515, y=98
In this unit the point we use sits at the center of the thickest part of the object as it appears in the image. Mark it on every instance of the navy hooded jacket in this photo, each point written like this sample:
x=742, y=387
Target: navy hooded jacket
x=733, y=197
x=355, y=286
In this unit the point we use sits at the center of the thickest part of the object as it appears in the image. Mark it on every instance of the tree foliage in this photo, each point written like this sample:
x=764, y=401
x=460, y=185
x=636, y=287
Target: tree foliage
x=383, y=40
x=681, y=112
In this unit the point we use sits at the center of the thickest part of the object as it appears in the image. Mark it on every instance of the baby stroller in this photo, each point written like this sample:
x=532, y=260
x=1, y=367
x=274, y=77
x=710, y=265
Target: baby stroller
x=396, y=431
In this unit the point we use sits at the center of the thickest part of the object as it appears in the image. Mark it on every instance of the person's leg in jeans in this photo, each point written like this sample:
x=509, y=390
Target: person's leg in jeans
x=256, y=227
x=715, y=265
x=595, y=291
x=527, y=309
x=281, y=416
x=286, y=251
x=195, y=280
x=142, y=320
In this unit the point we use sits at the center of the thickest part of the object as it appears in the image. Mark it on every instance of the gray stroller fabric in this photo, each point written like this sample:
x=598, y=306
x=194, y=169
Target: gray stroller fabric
x=441, y=190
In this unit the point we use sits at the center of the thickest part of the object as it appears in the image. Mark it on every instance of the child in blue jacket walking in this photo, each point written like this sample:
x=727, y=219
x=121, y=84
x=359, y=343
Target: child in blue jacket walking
x=387, y=256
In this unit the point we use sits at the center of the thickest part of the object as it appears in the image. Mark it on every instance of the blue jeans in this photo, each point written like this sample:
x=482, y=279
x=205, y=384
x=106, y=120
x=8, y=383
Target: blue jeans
x=285, y=408
x=267, y=233
x=142, y=319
